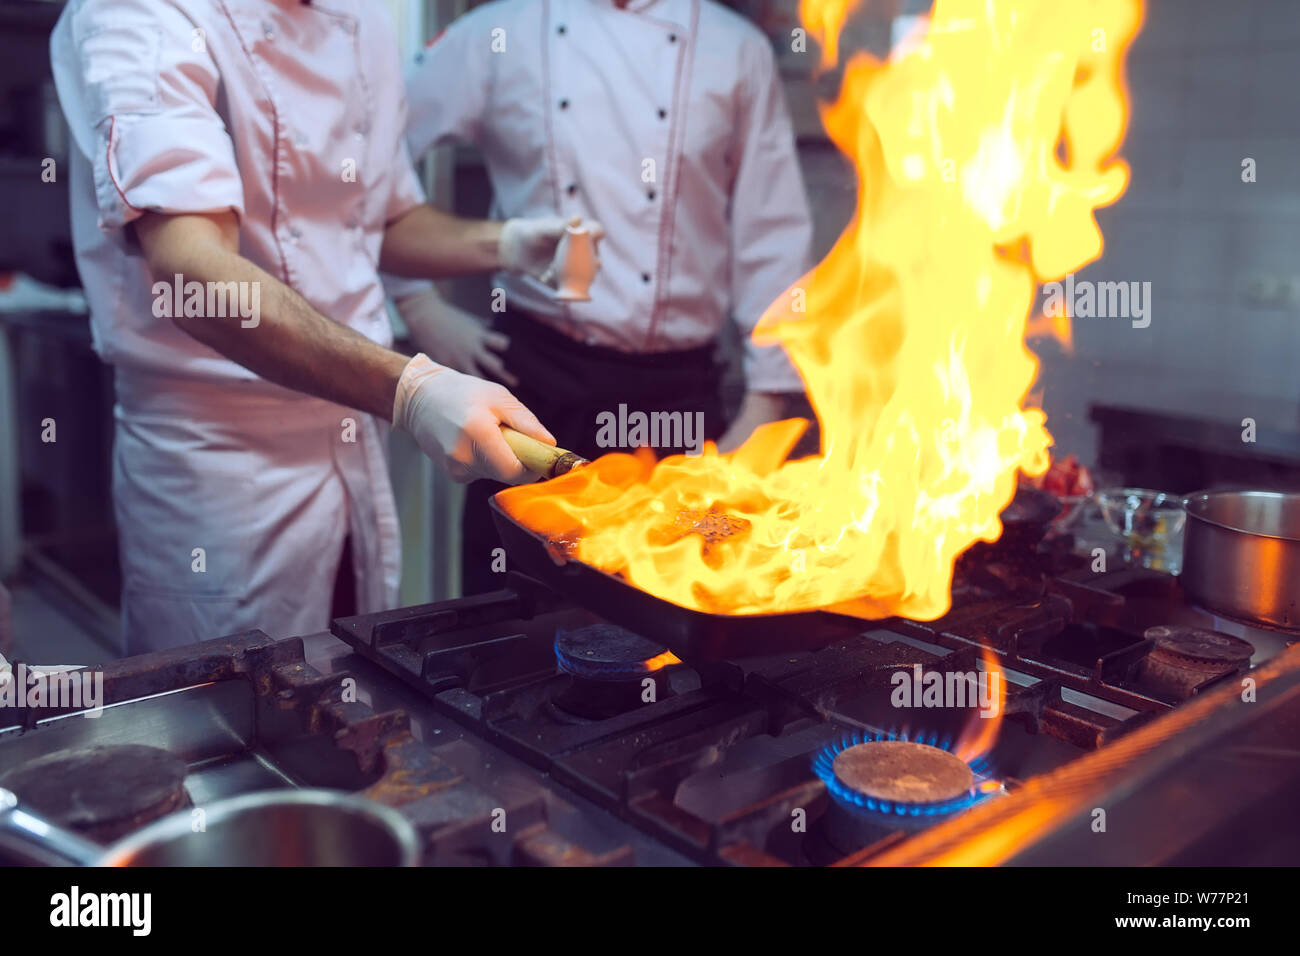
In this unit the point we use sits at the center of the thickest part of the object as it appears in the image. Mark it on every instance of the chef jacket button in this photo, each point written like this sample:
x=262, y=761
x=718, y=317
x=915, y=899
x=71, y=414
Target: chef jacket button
x=672, y=38
x=560, y=29
x=663, y=114
x=571, y=188
x=564, y=104
x=645, y=277
x=650, y=195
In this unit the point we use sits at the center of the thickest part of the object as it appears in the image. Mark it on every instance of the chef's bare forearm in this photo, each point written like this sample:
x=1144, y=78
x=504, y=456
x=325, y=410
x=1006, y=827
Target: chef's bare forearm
x=429, y=243
x=291, y=343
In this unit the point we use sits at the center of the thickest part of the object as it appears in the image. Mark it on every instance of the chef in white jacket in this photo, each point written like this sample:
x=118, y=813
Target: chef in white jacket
x=664, y=120
x=238, y=178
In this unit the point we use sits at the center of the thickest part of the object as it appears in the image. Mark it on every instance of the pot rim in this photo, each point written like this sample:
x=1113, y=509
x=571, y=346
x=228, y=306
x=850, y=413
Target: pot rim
x=1202, y=497
x=178, y=823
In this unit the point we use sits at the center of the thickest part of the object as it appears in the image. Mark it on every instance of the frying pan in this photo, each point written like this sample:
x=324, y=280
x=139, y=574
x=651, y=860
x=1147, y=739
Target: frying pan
x=690, y=634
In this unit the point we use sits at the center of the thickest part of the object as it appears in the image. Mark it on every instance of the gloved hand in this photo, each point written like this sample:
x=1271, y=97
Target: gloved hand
x=532, y=245
x=453, y=337
x=456, y=419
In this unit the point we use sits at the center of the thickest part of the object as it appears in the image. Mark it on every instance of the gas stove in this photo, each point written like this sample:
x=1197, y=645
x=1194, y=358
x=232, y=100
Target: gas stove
x=1097, y=718
x=852, y=753
x=177, y=729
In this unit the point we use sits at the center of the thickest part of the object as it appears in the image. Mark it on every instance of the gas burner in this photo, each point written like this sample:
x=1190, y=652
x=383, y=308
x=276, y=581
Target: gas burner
x=1185, y=658
x=889, y=782
x=609, y=666
x=902, y=773
x=606, y=652
x=103, y=792
x=1193, y=647
x=902, y=777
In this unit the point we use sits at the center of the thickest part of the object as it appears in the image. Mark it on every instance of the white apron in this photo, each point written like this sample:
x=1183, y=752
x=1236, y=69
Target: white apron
x=232, y=508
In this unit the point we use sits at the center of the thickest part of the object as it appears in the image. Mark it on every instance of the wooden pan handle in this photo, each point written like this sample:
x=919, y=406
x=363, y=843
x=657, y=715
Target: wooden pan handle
x=547, y=460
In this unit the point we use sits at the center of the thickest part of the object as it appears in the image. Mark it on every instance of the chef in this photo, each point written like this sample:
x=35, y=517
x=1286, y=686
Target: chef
x=664, y=120
x=238, y=178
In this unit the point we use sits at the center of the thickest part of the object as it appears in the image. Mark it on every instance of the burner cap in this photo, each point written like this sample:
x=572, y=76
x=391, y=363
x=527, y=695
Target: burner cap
x=903, y=772
x=105, y=792
x=608, y=652
x=1194, y=646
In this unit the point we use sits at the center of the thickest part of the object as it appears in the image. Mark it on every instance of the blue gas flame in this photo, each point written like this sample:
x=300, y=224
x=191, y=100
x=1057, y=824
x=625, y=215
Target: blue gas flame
x=823, y=766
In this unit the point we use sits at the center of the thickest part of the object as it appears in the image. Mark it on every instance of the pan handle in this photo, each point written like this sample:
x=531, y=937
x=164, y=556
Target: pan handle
x=30, y=839
x=546, y=460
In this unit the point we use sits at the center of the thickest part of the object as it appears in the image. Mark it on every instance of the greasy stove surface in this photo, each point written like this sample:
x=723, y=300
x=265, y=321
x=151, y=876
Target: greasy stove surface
x=247, y=713
x=734, y=762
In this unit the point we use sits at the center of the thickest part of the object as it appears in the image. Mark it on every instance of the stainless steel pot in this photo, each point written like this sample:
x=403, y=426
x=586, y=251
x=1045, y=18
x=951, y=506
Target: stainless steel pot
x=270, y=828
x=1241, y=554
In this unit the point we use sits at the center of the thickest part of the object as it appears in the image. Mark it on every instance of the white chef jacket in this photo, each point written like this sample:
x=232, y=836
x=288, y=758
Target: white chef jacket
x=233, y=494
x=665, y=122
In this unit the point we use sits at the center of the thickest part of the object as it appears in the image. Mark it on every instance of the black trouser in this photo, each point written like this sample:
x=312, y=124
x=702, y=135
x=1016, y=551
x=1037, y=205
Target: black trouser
x=566, y=384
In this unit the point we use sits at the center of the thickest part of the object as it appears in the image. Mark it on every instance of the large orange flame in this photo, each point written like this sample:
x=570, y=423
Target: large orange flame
x=982, y=153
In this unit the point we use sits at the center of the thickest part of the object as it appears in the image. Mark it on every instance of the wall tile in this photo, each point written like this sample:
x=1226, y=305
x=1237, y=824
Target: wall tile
x=1271, y=94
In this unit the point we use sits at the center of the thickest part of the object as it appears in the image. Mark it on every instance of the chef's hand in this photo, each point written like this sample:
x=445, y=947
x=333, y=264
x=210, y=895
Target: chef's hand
x=531, y=246
x=456, y=419
x=758, y=408
x=453, y=337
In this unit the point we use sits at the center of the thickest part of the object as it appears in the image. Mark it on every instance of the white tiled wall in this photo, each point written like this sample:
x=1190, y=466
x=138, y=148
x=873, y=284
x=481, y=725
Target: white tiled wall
x=1212, y=82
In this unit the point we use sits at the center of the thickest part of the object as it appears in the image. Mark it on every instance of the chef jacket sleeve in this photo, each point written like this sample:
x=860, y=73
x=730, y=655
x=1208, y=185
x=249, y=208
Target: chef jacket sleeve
x=445, y=99
x=137, y=87
x=446, y=88
x=404, y=191
x=405, y=196
x=771, y=228
x=398, y=288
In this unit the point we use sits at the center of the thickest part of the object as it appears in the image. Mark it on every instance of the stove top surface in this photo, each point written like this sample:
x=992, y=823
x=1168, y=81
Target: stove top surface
x=752, y=760
x=519, y=728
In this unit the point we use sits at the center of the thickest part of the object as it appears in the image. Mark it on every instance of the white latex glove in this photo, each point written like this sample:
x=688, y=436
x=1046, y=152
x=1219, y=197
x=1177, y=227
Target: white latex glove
x=453, y=337
x=456, y=419
x=532, y=246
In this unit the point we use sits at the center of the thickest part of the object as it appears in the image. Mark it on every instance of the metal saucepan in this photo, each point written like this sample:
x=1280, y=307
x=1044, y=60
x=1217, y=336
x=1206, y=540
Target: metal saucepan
x=1241, y=554
x=270, y=828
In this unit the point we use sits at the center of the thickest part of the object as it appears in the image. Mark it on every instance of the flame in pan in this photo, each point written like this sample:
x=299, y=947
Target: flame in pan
x=982, y=150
